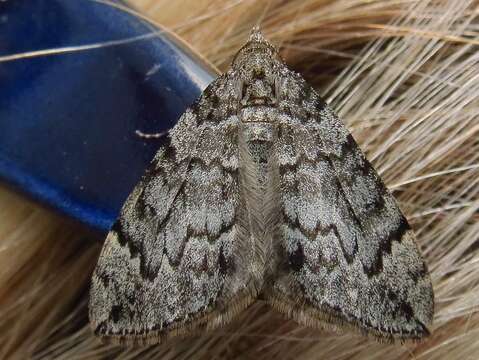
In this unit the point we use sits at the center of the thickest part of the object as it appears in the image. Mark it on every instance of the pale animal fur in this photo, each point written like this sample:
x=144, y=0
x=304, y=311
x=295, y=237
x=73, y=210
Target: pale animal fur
x=404, y=77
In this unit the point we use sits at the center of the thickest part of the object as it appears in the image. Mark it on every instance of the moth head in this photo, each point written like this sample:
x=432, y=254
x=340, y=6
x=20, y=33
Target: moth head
x=255, y=67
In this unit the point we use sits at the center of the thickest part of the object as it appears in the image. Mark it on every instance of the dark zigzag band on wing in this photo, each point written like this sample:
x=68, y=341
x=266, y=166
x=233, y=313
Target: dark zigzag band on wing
x=137, y=251
x=376, y=206
x=297, y=258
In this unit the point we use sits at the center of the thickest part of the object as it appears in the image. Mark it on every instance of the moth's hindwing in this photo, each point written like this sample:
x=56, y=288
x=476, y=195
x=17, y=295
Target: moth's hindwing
x=348, y=253
x=176, y=261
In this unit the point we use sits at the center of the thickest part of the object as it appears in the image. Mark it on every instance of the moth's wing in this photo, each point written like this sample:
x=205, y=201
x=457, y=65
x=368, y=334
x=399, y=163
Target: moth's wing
x=176, y=262
x=348, y=253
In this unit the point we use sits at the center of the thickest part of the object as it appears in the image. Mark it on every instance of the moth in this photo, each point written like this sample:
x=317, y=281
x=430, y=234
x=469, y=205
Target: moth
x=259, y=192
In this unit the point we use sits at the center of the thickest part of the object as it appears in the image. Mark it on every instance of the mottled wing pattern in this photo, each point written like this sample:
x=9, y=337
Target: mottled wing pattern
x=348, y=253
x=175, y=261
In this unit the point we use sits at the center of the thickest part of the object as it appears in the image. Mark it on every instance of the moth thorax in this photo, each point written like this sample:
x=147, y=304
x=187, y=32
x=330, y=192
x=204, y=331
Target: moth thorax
x=259, y=140
x=258, y=114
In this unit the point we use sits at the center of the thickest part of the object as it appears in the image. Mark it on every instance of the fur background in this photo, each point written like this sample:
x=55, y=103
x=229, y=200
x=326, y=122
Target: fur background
x=404, y=77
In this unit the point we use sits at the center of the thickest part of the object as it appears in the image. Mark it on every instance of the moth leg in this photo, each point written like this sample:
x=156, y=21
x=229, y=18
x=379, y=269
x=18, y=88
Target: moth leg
x=150, y=136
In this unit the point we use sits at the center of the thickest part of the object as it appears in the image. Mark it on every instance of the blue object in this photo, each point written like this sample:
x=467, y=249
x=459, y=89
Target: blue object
x=68, y=120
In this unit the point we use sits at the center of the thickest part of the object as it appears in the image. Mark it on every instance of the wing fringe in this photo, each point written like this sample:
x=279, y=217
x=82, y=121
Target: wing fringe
x=195, y=325
x=326, y=318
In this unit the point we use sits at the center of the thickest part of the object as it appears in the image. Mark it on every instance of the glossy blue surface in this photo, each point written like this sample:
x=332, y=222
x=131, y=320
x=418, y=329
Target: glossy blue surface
x=68, y=121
